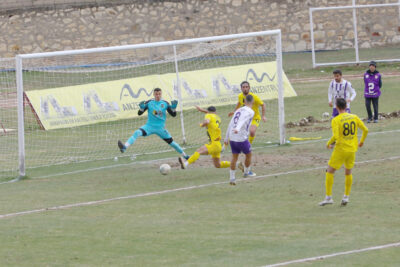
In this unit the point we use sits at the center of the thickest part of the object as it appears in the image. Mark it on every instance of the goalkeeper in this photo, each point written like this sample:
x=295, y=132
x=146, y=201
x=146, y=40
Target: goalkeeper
x=157, y=114
x=212, y=123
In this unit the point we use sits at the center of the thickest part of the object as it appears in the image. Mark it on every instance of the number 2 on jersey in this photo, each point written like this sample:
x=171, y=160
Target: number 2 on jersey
x=371, y=87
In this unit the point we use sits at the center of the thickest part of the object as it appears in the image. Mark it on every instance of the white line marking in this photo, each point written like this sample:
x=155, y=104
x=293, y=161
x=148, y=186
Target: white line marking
x=334, y=255
x=171, y=158
x=96, y=202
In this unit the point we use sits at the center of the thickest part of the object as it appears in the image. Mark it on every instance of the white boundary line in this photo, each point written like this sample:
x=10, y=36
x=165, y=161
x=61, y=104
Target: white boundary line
x=334, y=255
x=171, y=158
x=97, y=202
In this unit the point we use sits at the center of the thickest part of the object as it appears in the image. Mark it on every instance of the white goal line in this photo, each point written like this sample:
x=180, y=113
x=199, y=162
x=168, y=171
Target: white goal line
x=334, y=255
x=155, y=193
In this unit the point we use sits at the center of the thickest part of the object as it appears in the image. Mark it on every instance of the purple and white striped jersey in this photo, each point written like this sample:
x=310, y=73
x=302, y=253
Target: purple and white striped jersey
x=373, y=84
x=240, y=121
x=341, y=90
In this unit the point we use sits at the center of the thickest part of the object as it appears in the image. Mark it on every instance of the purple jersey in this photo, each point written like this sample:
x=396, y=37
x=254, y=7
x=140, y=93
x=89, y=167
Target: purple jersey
x=372, y=81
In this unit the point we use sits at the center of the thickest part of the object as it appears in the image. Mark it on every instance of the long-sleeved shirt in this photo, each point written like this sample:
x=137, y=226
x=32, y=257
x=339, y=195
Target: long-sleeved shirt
x=240, y=122
x=344, y=130
x=341, y=90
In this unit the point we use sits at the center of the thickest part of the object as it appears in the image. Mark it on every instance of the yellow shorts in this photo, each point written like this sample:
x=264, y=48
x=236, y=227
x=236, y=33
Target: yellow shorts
x=338, y=158
x=255, y=122
x=214, y=149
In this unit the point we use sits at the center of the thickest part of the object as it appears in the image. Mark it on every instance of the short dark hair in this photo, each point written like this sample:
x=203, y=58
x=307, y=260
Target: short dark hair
x=241, y=84
x=211, y=109
x=337, y=72
x=157, y=89
x=341, y=103
x=249, y=98
x=373, y=63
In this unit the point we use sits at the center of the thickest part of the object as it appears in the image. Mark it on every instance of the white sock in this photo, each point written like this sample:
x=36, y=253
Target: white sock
x=232, y=174
x=184, y=154
x=328, y=197
x=127, y=144
x=186, y=163
x=246, y=169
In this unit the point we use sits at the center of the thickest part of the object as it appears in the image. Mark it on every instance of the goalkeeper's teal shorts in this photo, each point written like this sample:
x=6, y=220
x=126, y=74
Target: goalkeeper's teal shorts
x=161, y=132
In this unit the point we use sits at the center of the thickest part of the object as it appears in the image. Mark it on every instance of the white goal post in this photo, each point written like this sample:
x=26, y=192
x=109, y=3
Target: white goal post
x=354, y=8
x=42, y=77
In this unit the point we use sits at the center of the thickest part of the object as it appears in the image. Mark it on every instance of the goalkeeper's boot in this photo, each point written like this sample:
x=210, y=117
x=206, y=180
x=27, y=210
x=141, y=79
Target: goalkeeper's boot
x=345, y=200
x=327, y=201
x=186, y=157
x=249, y=174
x=182, y=162
x=232, y=181
x=121, y=146
x=240, y=166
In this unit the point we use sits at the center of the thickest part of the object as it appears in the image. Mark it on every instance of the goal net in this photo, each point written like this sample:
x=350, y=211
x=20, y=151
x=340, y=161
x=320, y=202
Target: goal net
x=8, y=120
x=79, y=103
x=355, y=34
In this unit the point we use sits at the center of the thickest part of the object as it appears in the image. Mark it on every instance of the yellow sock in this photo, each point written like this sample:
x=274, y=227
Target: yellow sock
x=347, y=184
x=329, y=183
x=251, y=138
x=225, y=164
x=194, y=157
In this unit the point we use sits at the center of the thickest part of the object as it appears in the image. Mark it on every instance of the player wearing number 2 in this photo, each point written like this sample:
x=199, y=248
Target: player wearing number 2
x=340, y=88
x=372, y=90
x=212, y=122
x=157, y=110
x=344, y=129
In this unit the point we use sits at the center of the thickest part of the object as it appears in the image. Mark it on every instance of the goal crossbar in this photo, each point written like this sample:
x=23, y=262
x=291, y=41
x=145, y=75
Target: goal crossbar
x=20, y=78
x=354, y=8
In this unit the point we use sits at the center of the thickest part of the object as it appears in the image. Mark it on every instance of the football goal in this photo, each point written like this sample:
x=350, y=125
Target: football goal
x=79, y=103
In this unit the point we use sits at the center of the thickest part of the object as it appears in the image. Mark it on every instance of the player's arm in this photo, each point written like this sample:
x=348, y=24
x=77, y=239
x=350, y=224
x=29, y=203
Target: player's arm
x=143, y=106
x=226, y=140
x=380, y=81
x=201, y=109
x=172, y=108
x=330, y=88
x=236, y=108
x=263, y=108
x=205, y=123
x=364, y=129
x=335, y=134
x=353, y=93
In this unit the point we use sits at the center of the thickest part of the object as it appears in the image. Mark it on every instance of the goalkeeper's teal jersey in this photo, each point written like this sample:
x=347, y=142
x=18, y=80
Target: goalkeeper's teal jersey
x=157, y=113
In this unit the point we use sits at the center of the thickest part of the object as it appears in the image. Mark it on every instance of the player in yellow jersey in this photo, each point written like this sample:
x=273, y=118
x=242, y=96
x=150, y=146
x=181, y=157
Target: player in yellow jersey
x=344, y=129
x=212, y=122
x=245, y=87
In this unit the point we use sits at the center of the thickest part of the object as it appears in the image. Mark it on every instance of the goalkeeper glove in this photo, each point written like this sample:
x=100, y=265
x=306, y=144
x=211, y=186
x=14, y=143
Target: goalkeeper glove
x=142, y=105
x=174, y=104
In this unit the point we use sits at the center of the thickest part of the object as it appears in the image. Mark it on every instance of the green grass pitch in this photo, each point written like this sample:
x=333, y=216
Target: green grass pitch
x=271, y=219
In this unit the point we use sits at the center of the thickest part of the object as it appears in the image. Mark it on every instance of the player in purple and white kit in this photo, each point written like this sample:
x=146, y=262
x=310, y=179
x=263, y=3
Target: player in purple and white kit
x=372, y=90
x=237, y=135
x=340, y=88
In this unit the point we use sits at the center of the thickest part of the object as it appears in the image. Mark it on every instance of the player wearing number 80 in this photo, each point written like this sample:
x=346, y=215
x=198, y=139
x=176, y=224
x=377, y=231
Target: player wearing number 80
x=344, y=129
x=372, y=90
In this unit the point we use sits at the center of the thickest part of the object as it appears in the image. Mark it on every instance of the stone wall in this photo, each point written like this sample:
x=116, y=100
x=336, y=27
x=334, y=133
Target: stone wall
x=39, y=28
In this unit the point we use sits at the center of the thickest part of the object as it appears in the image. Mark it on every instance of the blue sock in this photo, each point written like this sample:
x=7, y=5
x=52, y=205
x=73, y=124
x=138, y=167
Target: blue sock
x=132, y=139
x=176, y=147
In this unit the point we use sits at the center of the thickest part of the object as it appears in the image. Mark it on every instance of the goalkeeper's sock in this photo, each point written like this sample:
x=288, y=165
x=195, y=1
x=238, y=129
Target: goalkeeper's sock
x=194, y=157
x=177, y=147
x=225, y=164
x=251, y=138
x=329, y=183
x=347, y=184
x=133, y=138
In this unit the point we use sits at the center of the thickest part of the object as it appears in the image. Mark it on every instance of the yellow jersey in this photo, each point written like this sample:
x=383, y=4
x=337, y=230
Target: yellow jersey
x=344, y=129
x=213, y=129
x=256, y=105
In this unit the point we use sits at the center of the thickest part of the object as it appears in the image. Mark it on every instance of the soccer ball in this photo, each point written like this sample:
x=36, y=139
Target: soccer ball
x=325, y=115
x=165, y=169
